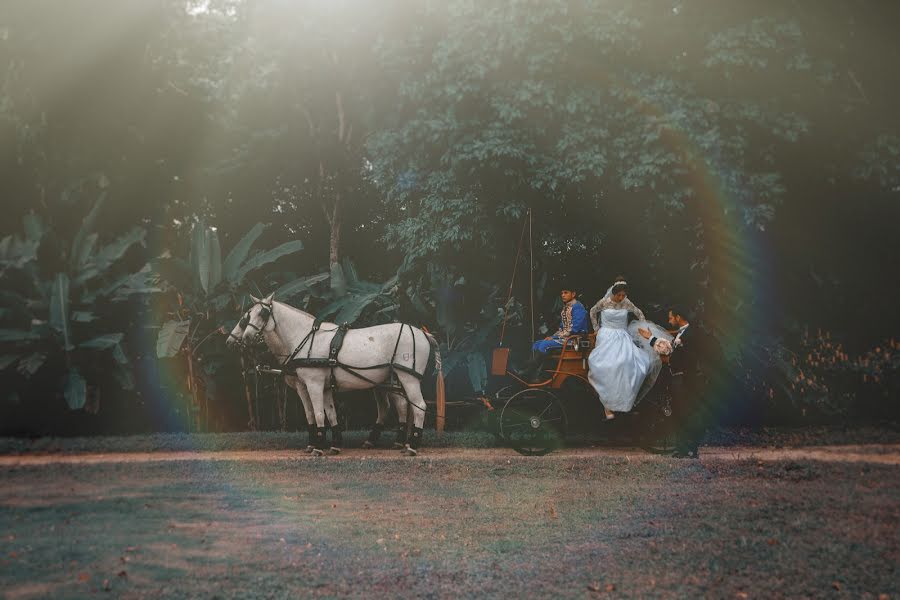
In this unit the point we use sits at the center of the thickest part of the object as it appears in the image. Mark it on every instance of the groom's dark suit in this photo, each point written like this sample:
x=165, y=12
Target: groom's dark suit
x=686, y=379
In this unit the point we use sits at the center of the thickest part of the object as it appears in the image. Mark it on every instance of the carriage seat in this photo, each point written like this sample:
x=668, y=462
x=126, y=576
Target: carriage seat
x=585, y=343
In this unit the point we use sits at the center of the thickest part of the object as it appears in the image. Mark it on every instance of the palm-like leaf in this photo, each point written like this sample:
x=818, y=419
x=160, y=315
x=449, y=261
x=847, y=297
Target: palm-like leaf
x=59, y=308
x=171, y=338
x=109, y=341
x=79, y=252
x=29, y=365
x=239, y=253
x=75, y=389
x=263, y=258
x=200, y=255
x=215, y=258
x=17, y=336
x=292, y=288
x=116, y=250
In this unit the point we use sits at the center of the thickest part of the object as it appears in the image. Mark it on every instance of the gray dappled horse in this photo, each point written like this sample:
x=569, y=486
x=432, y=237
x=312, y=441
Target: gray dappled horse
x=382, y=355
x=383, y=400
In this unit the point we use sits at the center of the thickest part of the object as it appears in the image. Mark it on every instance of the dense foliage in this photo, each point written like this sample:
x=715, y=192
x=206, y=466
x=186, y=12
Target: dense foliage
x=742, y=159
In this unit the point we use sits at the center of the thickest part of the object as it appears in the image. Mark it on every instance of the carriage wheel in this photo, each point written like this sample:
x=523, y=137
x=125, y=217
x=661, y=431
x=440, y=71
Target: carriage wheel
x=505, y=393
x=658, y=436
x=498, y=401
x=533, y=422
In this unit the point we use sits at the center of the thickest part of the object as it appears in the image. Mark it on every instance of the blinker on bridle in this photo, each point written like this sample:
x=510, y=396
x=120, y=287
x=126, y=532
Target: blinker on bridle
x=265, y=313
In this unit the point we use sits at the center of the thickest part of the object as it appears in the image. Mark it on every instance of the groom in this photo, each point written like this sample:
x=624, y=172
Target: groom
x=685, y=376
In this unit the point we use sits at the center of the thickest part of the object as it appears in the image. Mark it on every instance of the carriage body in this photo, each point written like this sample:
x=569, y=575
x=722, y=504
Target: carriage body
x=533, y=416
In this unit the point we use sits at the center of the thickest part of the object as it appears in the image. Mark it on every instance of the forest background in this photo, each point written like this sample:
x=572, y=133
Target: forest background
x=375, y=161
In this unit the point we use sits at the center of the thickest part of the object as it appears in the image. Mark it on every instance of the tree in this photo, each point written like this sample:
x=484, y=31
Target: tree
x=59, y=322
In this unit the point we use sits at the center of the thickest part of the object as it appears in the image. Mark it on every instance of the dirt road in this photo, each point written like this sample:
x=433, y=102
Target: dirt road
x=743, y=522
x=883, y=454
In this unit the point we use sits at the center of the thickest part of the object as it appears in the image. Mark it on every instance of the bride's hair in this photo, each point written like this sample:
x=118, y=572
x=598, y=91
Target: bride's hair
x=619, y=287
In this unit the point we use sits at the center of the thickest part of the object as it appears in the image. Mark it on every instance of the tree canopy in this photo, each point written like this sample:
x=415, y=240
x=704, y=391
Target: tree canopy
x=740, y=157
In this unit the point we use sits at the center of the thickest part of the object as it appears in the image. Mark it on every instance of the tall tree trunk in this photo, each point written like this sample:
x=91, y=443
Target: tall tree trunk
x=334, y=256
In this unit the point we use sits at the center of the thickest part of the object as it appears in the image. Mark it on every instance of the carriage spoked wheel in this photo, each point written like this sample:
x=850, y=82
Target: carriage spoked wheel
x=533, y=422
x=658, y=436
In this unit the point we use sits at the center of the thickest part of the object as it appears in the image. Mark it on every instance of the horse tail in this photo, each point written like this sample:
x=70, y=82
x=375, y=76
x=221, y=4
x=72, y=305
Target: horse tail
x=439, y=389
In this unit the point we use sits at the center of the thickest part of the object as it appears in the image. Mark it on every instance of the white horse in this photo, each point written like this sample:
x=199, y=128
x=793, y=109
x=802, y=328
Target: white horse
x=383, y=401
x=369, y=357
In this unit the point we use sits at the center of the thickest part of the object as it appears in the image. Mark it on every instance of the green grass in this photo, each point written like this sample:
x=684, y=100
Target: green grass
x=270, y=440
x=557, y=526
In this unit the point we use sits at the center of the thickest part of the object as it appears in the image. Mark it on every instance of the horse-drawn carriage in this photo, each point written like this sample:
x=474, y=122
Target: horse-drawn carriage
x=532, y=416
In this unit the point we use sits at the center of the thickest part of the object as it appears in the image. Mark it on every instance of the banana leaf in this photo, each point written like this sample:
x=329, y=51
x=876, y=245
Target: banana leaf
x=29, y=365
x=477, y=371
x=200, y=255
x=75, y=389
x=354, y=307
x=113, y=251
x=86, y=229
x=240, y=252
x=293, y=288
x=350, y=274
x=263, y=258
x=59, y=308
x=215, y=258
x=338, y=282
x=18, y=335
x=171, y=337
x=84, y=250
x=109, y=341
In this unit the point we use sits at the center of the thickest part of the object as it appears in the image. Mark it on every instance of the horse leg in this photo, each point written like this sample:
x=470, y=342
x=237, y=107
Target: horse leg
x=337, y=439
x=381, y=403
x=300, y=387
x=315, y=387
x=413, y=390
x=402, y=423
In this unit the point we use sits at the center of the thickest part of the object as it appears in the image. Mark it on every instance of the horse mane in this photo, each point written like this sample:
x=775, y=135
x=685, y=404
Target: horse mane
x=295, y=310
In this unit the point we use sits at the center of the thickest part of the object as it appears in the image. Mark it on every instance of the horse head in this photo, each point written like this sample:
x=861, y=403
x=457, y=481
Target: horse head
x=258, y=320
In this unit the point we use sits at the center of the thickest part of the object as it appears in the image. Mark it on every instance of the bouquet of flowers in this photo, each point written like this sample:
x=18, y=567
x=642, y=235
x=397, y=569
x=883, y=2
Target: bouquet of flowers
x=663, y=347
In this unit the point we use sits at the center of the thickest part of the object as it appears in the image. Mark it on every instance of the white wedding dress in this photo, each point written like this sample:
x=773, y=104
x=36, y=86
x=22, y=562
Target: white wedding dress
x=622, y=367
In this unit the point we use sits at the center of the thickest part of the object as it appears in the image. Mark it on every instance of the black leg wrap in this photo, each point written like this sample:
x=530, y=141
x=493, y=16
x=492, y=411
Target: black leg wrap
x=375, y=434
x=337, y=438
x=415, y=438
x=320, y=438
x=401, y=436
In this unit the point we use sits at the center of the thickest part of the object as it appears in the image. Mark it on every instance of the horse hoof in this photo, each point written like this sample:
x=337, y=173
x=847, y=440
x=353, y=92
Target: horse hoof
x=410, y=451
x=334, y=450
x=399, y=446
x=317, y=452
x=368, y=445
x=309, y=449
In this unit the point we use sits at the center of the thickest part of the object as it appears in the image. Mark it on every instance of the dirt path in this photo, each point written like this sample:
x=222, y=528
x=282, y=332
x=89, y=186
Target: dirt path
x=743, y=522
x=884, y=454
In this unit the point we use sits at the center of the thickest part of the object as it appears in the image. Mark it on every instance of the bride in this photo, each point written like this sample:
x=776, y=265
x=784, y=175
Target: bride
x=622, y=366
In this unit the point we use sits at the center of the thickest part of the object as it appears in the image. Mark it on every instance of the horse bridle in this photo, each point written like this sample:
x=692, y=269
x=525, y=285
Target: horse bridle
x=267, y=313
